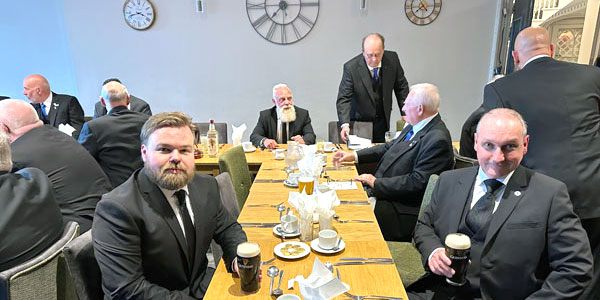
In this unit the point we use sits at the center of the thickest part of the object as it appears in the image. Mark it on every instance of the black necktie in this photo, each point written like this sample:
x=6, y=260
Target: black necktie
x=481, y=212
x=190, y=233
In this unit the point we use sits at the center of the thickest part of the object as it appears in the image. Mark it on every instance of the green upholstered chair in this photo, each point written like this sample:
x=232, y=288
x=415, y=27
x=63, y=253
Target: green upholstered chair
x=406, y=257
x=400, y=125
x=234, y=162
x=42, y=277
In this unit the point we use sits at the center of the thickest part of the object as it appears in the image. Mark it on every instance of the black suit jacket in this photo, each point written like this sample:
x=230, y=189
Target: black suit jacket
x=140, y=246
x=114, y=141
x=356, y=99
x=467, y=134
x=65, y=109
x=266, y=127
x=135, y=104
x=404, y=169
x=77, y=179
x=560, y=103
x=535, y=247
x=31, y=221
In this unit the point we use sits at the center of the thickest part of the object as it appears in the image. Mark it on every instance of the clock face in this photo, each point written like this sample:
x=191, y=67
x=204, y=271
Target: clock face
x=422, y=12
x=282, y=21
x=139, y=14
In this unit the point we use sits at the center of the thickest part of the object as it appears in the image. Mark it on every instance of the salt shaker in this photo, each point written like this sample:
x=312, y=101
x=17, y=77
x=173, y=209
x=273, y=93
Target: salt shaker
x=315, y=226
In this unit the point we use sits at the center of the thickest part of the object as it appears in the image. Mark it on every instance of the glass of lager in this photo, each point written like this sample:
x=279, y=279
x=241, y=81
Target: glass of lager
x=458, y=249
x=248, y=261
x=306, y=183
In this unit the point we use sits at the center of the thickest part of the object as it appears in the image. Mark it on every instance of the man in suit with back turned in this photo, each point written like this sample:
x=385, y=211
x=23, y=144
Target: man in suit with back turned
x=52, y=108
x=405, y=164
x=77, y=179
x=560, y=103
x=31, y=220
x=365, y=92
x=152, y=232
x=114, y=140
x=283, y=122
x=135, y=103
x=526, y=240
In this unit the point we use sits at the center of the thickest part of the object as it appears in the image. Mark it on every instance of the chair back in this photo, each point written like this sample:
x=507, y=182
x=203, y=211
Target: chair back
x=428, y=192
x=463, y=161
x=227, y=192
x=400, y=125
x=361, y=129
x=234, y=162
x=39, y=277
x=83, y=267
x=221, y=128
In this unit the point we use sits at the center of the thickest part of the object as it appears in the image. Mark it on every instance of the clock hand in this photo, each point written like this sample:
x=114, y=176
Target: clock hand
x=273, y=16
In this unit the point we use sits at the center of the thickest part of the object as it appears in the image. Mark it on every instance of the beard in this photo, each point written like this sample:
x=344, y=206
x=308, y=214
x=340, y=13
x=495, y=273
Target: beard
x=287, y=113
x=165, y=179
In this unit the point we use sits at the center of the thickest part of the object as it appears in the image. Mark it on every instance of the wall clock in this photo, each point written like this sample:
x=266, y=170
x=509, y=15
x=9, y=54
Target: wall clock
x=282, y=22
x=422, y=12
x=139, y=14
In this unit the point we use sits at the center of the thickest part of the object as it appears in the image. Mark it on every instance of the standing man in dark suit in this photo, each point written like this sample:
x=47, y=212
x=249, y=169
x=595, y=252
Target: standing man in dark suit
x=526, y=241
x=77, y=179
x=53, y=109
x=405, y=164
x=114, y=140
x=283, y=122
x=135, y=103
x=560, y=102
x=31, y=220
x=365, y=92
x=152, y=232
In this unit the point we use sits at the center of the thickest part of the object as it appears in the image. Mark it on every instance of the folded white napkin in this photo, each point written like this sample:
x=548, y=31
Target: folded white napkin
x=66, y=128
x=320, y=284
x=342, y=185
x=355, y=142
x=237, y=133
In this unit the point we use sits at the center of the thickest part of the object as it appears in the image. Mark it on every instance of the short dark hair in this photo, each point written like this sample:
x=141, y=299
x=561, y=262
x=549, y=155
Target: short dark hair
x=166, y=119
x=111, y=79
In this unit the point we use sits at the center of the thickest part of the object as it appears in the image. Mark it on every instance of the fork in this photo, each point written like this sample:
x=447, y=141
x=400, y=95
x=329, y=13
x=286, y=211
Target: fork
x=355, y=297
x=264, y=204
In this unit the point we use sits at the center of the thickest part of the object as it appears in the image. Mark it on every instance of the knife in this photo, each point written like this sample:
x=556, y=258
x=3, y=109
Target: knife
x=259, y=225
x=268, y=180
x=367, y=258
x=346, y=263
x=355, y=202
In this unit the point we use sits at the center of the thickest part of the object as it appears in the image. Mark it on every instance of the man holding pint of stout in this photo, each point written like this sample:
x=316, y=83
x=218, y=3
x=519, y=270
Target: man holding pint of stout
x=515, y=228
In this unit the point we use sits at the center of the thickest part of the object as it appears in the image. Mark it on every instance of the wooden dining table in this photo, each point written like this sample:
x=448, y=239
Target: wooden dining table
x=361, y=239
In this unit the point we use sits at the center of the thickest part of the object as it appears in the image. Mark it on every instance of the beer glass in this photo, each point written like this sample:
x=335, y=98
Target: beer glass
x=248, y=261
x=306, y=183
x=458, y=249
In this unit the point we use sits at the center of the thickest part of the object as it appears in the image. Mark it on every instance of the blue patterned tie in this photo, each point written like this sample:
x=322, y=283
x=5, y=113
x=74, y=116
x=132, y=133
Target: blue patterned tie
x=409, y=135
x=44, y=110
x=376, y=74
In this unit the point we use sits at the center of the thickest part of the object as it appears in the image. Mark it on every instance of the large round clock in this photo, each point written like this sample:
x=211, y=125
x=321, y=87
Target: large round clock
x=139, y=14
x=282, y=21
x=422, y=12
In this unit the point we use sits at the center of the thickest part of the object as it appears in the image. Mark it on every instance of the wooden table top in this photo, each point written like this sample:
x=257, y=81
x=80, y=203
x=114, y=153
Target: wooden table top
x=362, y=239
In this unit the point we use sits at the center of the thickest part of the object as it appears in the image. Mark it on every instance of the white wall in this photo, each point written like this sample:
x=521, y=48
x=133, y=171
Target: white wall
x=34, y=40
x=215, y=65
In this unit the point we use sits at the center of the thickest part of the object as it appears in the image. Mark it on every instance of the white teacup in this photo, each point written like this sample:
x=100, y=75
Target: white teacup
x=293, y=178
x=289, y=224
x=279, y=153
x=327, y=239
x=288, y=297
x=247, y=146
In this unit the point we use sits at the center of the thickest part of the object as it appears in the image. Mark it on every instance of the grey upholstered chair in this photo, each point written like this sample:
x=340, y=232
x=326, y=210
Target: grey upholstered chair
x=220, y=127
x=463, y=161
x=361, y=129
x=406, y=256
x=40, y=277
x=83, y=267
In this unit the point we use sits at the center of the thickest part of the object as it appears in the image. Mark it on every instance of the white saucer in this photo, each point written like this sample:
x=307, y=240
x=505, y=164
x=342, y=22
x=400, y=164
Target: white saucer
x=285, y=235
x=250, y=150
x=315, y=246
x=332, y=149
x=289, y=184
x=297, y=245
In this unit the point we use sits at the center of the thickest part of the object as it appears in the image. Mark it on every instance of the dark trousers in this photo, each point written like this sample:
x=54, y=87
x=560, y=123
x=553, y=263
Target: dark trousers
x=379, y=129
x=433, y=287
x=394, y=226
x=592, y=227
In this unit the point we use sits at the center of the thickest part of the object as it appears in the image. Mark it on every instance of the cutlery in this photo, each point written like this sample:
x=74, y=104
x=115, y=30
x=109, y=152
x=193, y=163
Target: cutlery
x=259, y=225
x=338, y=168
x=268, y=180
x=374, y=262
x=272, y=271
x=266, y=262
x=278, y=292
x=355, y=297
x=367, y=258
x=337, y=271
x=264, y=204
x=337, y=219
x=355, y=202
x=337, y=247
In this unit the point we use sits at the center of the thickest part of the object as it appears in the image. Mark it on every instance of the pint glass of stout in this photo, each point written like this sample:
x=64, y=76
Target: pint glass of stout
x=458, y=248
x=248, y=261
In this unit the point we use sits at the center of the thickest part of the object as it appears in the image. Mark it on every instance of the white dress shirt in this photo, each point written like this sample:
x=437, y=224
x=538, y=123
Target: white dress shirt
x=174, y=202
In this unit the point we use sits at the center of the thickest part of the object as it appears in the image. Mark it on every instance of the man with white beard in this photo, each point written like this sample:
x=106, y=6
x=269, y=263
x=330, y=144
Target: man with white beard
x=283, y=122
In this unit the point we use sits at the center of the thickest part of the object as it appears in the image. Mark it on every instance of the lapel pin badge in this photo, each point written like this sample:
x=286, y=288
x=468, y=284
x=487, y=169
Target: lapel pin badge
x=517, y=193
x=55, y=105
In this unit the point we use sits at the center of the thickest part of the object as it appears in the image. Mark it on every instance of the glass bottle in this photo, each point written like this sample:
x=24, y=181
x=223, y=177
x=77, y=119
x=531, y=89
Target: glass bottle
x=213, y=139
